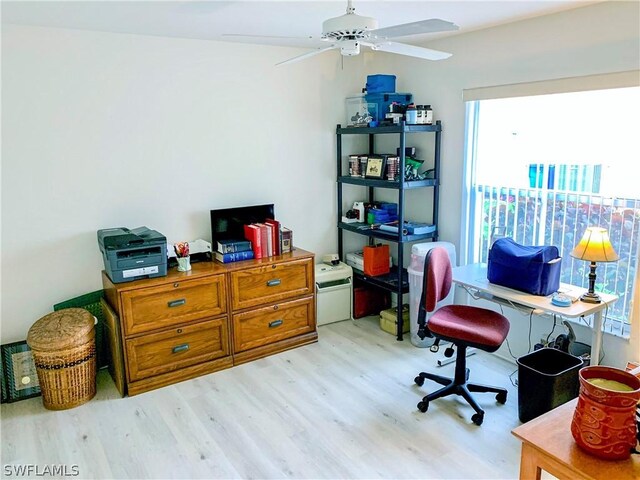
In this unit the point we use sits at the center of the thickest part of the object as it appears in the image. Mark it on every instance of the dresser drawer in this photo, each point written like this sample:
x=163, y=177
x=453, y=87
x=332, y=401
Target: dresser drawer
x=171, y=304
x=266, y=325
x=163, y=352
x=271, y=283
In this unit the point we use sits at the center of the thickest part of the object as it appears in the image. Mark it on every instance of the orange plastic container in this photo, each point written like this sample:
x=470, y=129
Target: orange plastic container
x=376, y=260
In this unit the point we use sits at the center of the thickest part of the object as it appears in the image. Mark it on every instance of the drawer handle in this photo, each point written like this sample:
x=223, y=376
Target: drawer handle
x=177, y=303
x=181, y=348
x=274, y=282
x=276, y=323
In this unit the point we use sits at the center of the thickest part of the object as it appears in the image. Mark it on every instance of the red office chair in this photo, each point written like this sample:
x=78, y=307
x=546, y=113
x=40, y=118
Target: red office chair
x=462, y=325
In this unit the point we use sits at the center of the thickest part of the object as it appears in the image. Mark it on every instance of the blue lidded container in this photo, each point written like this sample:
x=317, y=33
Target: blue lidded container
x=380, y=83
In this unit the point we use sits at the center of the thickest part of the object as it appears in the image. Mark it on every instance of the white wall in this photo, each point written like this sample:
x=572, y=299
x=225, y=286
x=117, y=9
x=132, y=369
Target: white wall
x=602, y=38
x=104, y=130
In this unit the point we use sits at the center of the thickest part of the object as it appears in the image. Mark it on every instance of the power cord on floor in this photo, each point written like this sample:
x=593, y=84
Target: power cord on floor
x=514, y=381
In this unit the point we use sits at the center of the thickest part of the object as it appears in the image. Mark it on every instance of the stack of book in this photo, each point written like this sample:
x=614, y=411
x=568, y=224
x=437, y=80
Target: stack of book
x=233, y=250
x=268, y=238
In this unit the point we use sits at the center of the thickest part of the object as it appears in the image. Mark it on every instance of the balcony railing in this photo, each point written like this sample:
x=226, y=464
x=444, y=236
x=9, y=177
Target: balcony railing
x=549, y=217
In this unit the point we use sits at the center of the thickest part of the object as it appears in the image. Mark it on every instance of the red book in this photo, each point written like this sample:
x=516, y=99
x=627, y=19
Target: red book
x=252, y=233
x=271, y=247
x=264, y=238
x=275, y=235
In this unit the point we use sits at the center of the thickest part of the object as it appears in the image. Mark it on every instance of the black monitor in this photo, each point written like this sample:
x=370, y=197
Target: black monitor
x=228, y=223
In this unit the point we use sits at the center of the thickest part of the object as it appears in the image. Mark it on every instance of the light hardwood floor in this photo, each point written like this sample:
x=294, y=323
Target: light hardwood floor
x=342, y=408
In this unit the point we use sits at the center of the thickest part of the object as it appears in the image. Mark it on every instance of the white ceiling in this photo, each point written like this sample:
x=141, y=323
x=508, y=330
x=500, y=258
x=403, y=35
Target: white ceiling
x=209, y=20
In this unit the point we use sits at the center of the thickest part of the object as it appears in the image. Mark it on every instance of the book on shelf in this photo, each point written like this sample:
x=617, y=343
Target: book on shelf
x=286, y=240
x=253, y=234
x=233, y=245
x=264, y=239
x=234, y=256
x=275, y=235
x=270, y=245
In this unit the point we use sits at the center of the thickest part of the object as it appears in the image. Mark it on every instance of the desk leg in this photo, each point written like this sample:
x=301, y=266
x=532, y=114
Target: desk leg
x=529, y=468
x=596, y=338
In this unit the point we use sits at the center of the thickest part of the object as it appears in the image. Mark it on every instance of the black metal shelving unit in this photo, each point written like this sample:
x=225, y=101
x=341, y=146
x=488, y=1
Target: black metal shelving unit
x=397, y=279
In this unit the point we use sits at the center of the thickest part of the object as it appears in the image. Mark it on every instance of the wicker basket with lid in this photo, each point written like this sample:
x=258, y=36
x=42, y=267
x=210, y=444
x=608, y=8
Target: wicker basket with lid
x=64, y=352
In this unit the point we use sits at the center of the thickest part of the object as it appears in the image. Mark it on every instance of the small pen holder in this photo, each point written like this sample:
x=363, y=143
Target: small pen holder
x=184, y=264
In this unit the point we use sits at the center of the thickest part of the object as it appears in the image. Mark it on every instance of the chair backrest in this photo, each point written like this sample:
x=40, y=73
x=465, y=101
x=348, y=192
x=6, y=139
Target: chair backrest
x=437, y=277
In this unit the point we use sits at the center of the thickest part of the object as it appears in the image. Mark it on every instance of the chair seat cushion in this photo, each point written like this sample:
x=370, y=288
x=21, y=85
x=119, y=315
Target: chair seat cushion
x=473, y=325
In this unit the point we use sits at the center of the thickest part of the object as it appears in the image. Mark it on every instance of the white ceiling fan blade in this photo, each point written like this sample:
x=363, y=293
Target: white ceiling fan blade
x=306, y=55
x=410, y=50
x=415, y=28
x=279, y=40
x=259, y=36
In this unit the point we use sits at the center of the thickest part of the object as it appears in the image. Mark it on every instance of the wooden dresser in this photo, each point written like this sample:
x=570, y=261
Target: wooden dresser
x=169, y=329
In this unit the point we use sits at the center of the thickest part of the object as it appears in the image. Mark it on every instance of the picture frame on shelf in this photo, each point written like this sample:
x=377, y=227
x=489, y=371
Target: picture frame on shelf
x=19, y=376
x=375, y=167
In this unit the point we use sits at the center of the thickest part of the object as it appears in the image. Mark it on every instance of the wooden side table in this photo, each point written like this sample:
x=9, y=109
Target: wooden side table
x=547, y=444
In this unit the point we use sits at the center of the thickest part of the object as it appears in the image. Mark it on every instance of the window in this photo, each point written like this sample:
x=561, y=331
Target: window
x=543, y=168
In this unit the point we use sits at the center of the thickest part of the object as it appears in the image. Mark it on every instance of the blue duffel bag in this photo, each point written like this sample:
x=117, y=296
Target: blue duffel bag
x=534, y=270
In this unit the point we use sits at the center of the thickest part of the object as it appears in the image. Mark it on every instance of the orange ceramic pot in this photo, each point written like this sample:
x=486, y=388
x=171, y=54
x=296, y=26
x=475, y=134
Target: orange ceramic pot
x=604, y=420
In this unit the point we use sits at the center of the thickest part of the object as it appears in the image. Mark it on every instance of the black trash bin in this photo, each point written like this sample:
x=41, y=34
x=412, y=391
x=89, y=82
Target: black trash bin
x=547, y=378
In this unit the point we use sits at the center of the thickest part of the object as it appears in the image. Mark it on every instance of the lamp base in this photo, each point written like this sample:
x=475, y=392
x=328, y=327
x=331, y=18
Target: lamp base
x=591, y=297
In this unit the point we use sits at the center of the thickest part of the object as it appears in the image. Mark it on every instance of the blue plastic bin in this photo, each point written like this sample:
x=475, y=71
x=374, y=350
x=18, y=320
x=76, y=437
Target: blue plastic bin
x=381, y=83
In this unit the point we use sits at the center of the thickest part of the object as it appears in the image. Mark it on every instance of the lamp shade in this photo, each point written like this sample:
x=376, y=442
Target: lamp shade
x=595, y=246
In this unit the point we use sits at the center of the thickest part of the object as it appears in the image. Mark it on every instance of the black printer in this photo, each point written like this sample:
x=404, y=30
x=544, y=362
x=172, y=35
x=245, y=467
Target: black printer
x=133, y=254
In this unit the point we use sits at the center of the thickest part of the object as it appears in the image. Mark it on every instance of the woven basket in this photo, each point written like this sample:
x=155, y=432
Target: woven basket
x=64, y=352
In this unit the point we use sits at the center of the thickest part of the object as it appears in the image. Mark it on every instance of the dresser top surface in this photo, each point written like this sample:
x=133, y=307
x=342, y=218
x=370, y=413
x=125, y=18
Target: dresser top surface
x=204, y=269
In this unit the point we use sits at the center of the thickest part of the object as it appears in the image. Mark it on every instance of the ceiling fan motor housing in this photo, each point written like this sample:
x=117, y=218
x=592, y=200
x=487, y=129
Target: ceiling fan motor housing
x=348, y=27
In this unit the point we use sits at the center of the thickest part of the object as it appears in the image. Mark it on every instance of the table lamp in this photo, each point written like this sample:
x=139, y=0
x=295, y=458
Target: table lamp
x=594, y=246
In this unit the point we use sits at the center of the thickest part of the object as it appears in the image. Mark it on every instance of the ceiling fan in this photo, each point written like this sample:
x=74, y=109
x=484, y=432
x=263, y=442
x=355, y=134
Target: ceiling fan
x=350, y=31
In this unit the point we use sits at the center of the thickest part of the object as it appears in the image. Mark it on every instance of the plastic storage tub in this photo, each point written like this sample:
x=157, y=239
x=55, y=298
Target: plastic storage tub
x=381, y=83
x=416, y=273
x=359, y=112
x=547, y=378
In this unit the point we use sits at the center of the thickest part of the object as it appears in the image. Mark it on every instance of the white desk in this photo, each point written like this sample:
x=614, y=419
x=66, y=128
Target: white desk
x=474, y=278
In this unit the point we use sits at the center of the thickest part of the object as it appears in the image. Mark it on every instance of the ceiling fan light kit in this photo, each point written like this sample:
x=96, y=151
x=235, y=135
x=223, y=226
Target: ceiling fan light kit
x=349, y=32
x=350, y=48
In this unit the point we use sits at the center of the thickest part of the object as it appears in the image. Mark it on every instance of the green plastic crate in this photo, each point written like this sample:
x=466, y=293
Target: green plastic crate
x=91, y=302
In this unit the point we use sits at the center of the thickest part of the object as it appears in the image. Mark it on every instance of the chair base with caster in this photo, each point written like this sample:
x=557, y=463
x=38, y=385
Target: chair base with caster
x=459, y=386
